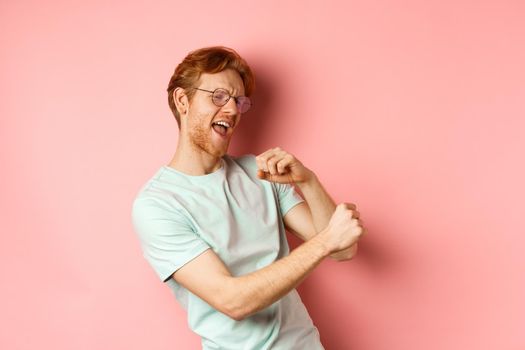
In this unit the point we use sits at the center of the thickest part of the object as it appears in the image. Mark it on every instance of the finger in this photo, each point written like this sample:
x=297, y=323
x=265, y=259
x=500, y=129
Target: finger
x=262, y=159
x=355, y=213
x=261, y=162
x=269, y=153
x=272, y=163
x=283, y=163
x=273, y=159
x=261, y=174
x=350, y=206
x=275, y=178
x=265, y=153
x=356, y=222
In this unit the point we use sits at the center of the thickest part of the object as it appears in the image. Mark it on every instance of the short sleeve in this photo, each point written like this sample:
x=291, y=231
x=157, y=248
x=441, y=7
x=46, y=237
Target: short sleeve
x=288, y=197
x=167, y=239
x=286, y=194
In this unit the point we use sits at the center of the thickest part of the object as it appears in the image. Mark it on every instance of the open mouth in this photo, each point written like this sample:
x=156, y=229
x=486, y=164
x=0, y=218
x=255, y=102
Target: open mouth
x=221, y=127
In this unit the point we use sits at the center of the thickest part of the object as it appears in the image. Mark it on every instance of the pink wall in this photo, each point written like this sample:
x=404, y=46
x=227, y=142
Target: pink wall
x=414, y=110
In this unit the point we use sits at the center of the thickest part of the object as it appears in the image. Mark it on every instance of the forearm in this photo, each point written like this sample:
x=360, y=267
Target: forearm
x=255, y=291
x=321, y=204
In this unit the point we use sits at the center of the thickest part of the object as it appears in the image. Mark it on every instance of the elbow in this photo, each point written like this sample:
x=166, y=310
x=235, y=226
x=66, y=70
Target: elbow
x=237, y=310
x=237, y=315
x=235, y=304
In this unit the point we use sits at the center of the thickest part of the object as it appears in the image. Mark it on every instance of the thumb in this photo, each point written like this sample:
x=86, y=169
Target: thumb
x=273, y=178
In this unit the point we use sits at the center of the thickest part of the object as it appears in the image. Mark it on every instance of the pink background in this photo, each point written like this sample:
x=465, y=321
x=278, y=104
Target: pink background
x=413, y=110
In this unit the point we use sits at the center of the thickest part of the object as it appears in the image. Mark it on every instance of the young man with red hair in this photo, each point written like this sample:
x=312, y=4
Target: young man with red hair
x=212, y=226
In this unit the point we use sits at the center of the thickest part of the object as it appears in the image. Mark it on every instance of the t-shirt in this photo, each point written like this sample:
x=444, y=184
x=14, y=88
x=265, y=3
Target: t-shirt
x=178, y=216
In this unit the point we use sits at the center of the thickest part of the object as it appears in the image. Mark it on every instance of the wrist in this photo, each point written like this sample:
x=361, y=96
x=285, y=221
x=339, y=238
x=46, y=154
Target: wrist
x=322, y=241
x=310, y=180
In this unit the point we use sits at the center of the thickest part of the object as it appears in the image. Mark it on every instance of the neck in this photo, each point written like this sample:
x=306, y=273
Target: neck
x=193, y=161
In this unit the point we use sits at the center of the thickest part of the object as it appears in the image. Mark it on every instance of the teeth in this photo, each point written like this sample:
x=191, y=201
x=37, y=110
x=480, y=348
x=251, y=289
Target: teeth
x=223, y=123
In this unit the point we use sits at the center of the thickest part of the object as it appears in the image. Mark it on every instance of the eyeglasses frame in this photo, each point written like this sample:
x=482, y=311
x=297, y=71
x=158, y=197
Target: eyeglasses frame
x=229, y=97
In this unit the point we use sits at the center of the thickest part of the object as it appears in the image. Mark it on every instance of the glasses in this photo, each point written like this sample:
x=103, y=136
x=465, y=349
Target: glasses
x=221, y=96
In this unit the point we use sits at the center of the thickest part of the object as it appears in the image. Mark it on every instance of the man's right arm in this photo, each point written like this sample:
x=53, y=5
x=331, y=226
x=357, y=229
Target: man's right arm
x=238, y=297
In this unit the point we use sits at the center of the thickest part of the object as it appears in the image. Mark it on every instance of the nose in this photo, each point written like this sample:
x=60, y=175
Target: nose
x=231, y=106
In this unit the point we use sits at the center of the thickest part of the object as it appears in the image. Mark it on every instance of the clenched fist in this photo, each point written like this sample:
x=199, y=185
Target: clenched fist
x=343, y=231
x=277, y=165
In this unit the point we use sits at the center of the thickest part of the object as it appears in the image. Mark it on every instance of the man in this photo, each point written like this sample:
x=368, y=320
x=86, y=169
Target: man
x=213, y=226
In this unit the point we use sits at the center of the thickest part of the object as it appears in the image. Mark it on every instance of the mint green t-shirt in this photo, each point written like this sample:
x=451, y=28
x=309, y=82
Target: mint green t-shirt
x=178, y=216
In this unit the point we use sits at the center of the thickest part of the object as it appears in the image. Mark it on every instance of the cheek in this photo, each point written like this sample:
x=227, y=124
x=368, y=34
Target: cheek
x=201, y=119
x=205, y=115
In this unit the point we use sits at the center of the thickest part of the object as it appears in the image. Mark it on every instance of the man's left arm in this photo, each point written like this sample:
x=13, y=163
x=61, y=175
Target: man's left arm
x=320, y=204
x=305, y=220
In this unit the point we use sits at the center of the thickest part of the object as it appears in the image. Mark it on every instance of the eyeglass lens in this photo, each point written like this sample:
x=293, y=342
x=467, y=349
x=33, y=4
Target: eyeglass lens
x=220, y=97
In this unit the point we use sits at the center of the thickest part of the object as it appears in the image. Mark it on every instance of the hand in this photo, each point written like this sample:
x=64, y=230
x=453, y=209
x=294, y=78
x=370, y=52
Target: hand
x=277, y=165
x=344, y=229
x=345, y=254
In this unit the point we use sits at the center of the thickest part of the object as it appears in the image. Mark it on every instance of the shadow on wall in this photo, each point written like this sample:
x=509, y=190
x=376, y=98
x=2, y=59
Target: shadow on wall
x=333, y=319
x=331, y=309
x=256, y=125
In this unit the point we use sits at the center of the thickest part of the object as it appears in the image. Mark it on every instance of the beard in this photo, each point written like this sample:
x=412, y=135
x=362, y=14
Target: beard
x=201, y=139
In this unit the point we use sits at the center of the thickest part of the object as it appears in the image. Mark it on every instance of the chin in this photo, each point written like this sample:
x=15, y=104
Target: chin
x=217, y=152
x=222, y=153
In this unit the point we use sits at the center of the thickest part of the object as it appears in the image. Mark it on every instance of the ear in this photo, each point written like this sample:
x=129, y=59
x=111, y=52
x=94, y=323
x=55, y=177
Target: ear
x=181, y=101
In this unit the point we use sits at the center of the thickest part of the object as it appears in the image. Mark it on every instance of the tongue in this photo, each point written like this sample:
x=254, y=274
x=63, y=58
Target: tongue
x=219, y=129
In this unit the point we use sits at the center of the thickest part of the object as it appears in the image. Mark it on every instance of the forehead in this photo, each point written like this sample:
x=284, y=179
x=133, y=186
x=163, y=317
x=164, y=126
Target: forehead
x=227, y=79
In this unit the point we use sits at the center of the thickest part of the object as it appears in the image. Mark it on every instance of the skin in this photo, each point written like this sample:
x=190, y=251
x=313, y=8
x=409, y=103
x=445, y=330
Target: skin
x=199, y=148
x=327, y=229
x=277, y=165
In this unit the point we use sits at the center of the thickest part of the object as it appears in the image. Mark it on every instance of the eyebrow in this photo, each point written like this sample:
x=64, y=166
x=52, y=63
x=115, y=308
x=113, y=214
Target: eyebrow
x=230, y=92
